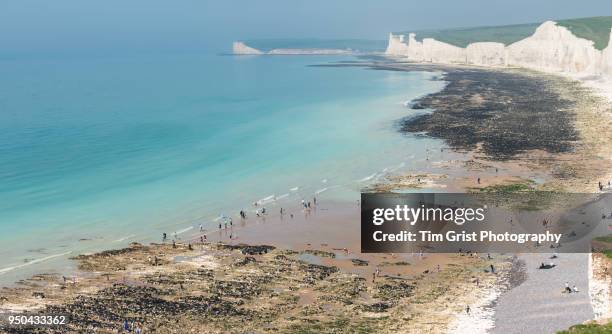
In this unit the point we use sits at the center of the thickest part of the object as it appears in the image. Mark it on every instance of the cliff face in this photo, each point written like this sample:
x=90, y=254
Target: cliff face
x=239, y=48
x=552, y=48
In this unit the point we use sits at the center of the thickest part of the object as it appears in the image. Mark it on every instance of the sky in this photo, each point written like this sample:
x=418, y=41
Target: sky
x=71, y=25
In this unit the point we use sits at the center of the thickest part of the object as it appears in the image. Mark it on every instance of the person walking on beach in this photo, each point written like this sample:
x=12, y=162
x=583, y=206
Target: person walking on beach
x=201, y=228
x=467, y=309
x=164, y=237
x=478, y=180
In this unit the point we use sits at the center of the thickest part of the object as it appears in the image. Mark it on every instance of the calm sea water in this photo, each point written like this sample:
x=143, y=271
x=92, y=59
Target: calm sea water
x=98, y=152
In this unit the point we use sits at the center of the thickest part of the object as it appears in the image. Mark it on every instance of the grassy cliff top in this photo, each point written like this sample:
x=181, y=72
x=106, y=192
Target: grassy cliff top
x=596, y=29
x=463, y=36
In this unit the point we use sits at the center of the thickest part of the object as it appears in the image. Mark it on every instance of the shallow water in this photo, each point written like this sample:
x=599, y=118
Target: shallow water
x=99, y=152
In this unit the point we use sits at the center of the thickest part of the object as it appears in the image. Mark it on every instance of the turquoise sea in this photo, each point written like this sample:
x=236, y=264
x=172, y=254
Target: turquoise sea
x=97, y=152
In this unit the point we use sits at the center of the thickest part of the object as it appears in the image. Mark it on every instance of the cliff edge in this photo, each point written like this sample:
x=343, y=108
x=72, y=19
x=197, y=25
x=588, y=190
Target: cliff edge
x=551, y=48
x=239, y=48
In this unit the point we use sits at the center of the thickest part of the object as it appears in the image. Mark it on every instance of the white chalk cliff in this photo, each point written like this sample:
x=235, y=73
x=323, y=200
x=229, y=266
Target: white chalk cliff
x=239, y=48
x=552, y=48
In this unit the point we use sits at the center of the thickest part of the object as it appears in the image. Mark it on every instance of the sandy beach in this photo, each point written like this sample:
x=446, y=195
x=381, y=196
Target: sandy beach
x=303, y=271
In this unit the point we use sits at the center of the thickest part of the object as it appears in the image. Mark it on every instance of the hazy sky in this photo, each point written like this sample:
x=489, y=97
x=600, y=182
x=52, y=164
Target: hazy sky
x=35, y=25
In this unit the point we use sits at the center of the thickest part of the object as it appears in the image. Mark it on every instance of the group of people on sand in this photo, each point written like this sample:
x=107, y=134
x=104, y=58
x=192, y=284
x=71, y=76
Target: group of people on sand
x=601, y=185
x=307, y=204
x=573, y=289
x=227, y=221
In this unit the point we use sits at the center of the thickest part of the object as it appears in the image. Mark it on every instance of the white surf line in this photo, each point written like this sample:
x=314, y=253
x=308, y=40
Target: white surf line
x=282, y=196
x=294, y=189
x=125, y=238
x=219, y=217
x=7, y=269
x=321, y=190
x=393, y=169
x=184, y=230
x=367, y=178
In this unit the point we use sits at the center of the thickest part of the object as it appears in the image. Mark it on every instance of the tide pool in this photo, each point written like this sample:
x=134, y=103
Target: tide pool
x=99, y=152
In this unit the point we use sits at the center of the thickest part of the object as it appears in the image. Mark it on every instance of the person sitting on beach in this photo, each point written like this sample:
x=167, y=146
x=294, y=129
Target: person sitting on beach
x=567, y=288
x=574, y=288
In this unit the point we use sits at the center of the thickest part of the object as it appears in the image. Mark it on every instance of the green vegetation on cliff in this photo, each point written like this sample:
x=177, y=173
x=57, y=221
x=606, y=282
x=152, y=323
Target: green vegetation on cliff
x=464, y=36
x=588, y=329
x=596, y=29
